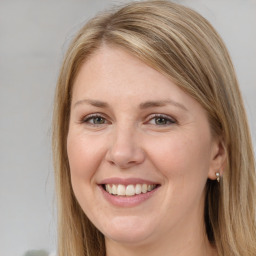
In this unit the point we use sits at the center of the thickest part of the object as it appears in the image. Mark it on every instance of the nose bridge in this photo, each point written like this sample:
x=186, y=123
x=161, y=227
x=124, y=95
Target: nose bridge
x=125, y=149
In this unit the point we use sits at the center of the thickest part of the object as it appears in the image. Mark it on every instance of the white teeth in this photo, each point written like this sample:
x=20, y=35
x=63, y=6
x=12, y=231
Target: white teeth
x=130, y=190
x=114, y=190
x=150, y=187
x=138, y=189
x=108, y=188
x=121, y=190
x=144, y=188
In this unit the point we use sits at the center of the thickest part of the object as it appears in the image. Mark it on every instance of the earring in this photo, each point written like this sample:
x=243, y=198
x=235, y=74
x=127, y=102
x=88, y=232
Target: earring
x=218, y=176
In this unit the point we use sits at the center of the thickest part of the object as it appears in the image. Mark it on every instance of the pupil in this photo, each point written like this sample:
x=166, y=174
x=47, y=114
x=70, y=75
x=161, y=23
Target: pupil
x=98, y=120
x=160, y=120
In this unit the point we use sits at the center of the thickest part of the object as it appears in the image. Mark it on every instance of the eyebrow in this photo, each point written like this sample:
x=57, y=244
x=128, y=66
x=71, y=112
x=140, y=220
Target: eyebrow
x=161, y=103
x=95, y=103
x=144, y=105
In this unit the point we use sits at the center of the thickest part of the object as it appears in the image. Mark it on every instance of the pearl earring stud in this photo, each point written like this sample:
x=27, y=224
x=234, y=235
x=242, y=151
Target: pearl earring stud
x=218, y=176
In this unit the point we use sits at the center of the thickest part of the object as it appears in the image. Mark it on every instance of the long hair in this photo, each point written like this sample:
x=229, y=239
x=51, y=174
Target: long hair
x=182, y=45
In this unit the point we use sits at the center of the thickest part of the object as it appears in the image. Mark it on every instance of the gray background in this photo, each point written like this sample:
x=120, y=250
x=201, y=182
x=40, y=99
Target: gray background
x=34, y=35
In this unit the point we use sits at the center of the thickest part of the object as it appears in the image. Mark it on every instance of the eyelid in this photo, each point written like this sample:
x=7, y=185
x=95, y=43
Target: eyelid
x=167, y=117
x=87, y=118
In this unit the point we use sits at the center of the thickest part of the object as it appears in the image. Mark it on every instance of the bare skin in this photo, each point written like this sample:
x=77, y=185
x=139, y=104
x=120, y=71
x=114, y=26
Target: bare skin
x=129, y=123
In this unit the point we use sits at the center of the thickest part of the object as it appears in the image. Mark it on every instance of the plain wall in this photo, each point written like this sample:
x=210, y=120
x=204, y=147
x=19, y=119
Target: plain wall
x=34, y=35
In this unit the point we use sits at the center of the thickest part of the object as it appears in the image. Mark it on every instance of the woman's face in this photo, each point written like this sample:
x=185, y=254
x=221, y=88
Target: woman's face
x=140, y=150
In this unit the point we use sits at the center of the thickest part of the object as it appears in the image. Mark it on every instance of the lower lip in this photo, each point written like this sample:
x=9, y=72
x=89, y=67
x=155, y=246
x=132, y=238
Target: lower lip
x=127, y=201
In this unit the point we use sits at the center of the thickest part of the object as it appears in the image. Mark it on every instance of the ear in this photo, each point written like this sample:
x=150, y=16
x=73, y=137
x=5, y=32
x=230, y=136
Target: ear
x=218, y=158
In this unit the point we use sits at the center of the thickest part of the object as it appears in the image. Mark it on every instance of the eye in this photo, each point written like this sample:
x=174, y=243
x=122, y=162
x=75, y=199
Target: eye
x=161, y=120
x=94, y=119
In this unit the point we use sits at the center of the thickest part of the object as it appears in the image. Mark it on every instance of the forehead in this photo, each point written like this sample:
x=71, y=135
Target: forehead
x=112, y=70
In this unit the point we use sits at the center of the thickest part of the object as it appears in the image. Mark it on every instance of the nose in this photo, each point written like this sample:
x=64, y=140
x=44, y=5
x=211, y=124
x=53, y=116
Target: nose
x=125, y=150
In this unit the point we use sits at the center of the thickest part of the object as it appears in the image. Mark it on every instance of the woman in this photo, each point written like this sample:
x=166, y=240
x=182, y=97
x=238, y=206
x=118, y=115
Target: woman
x=152, y=149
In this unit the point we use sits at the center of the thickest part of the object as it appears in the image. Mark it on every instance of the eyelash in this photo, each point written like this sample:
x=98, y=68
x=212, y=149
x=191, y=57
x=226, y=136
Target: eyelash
x=92, y=117
x=167, y=119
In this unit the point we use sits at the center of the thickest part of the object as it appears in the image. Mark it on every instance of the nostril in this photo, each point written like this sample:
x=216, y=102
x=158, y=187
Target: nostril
x=111, y=162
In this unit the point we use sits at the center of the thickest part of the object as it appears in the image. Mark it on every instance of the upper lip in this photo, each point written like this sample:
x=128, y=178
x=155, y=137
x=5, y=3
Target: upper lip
x=127, y=181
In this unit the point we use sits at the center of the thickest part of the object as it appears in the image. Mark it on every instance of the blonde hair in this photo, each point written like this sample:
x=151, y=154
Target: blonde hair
x=182, y=45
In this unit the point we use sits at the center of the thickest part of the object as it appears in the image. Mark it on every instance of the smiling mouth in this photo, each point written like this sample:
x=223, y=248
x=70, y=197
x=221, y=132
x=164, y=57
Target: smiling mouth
x=129, y=190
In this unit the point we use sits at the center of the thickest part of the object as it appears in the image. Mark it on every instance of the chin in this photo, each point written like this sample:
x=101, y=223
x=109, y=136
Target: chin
x=125, y=237
x=129, y=230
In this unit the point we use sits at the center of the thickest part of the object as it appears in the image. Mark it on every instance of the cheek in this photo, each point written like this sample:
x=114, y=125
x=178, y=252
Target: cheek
x=78, y=159
x=84, y=155
x=184, y=163
x=181, y=156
